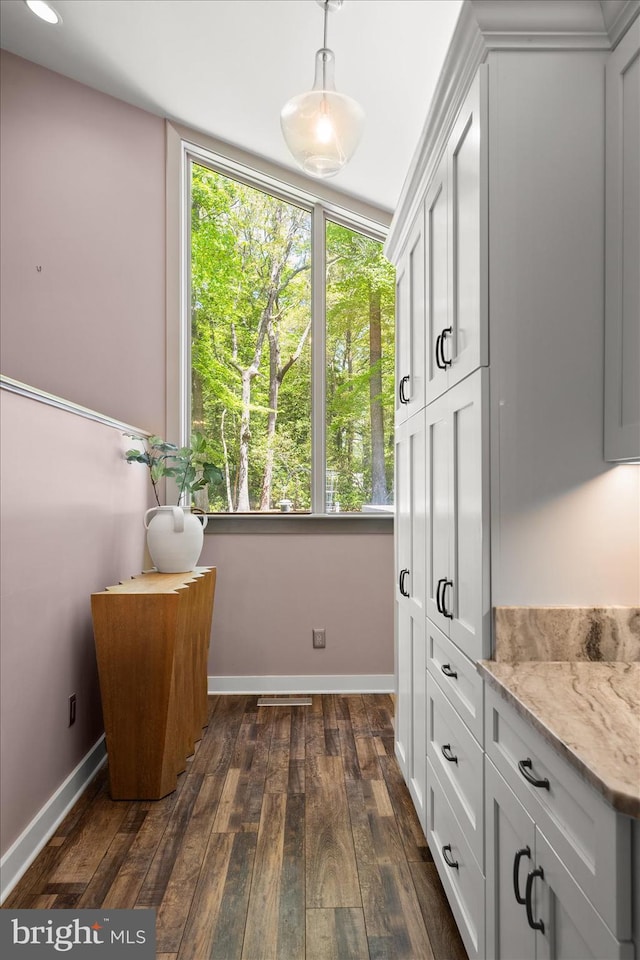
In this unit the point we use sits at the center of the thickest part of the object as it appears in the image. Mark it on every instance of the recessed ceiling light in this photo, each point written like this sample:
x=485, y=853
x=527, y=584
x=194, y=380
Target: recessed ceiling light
x=44, y=10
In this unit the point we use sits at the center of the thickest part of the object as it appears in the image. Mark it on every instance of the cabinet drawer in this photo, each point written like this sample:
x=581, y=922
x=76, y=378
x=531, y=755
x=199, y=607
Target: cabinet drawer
x=461, y=876
x=457, y=758
x=458, y=677
x=587, y=833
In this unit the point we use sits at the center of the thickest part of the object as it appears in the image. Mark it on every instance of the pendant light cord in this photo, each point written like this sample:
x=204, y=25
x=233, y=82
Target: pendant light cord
x=324, y=44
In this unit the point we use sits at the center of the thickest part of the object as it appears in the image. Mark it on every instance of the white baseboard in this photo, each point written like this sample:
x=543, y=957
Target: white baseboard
x=337, y=683
x=37, y=834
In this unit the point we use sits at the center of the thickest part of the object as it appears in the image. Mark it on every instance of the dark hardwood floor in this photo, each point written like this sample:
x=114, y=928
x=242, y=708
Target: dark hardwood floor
x=291, y=836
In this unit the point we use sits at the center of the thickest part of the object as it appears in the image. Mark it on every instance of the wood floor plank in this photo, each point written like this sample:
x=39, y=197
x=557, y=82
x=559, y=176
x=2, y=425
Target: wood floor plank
x=441, y=927
x=331, y=871
x=201, y=923
x=261, y=932
x=128, y=881
x=89, y=843
x=336, y=934
x=172, y=913
x=370, y=880
x=413, y=839
x=291, y=919
x=358, y=715
x=231, y=921
x=409, y=936
x=367, y=758
x=155, y=883
x=96, y=891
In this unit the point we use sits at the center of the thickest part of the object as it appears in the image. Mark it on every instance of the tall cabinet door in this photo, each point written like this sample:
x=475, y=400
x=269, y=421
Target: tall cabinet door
x=438, y=508
x=466, y=344
x=410, y=507
x=436, y=282
x=510, y=853
x=410, y=339
x=622, y=239
x=457, y=510
x=410, y=606
x=467, y=602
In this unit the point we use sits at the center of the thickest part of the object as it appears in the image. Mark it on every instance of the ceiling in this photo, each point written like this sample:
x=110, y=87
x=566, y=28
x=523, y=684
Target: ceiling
x=226, y=67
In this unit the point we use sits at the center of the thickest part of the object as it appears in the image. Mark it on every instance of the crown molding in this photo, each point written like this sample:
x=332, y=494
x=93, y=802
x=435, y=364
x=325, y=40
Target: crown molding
x=484, y=26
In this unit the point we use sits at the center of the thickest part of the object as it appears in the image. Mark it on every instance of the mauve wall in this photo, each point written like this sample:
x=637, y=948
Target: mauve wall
x=71, y=513
x=82, y=193
x=272, y=590
x=82, y=197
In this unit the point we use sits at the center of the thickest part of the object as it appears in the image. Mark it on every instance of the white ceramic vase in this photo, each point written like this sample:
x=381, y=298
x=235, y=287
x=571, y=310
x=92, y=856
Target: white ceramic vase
x=174, y=538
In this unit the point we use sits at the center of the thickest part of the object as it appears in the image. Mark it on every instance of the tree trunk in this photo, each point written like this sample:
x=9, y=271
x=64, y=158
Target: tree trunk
x=274, y=387
x=379, y=493
x=243, y=505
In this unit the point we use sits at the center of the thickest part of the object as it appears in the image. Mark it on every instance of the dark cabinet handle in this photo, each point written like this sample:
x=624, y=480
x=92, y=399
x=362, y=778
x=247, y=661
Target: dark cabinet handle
x=448, y=754
x=441, y=583
x=448, y=672
x=402, y=395
x=449, y=862
x=534, y=924
x=524, y=852
x=524, y=766
x=444, y=611
x=441, y=360
x=403, y=574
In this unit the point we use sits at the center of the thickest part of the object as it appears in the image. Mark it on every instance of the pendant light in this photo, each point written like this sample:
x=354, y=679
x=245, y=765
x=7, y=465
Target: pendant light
x=322, y=127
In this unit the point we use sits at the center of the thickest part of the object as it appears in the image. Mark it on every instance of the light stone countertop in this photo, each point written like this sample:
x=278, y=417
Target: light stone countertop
x=589, y=712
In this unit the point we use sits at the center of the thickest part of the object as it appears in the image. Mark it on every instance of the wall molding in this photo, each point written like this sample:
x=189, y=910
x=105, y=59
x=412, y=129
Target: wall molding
x=41, y=396
x=37, y=834
x=332, y=683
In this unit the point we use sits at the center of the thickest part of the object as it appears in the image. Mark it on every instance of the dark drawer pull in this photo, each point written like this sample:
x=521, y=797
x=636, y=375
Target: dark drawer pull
x=534, y=924
x=444, y=611
x=439, y=362
x=445, y=333
x=447, y=754
x=450, y=863
x=525, y=852
x=403, y=574
x=402, y=395
x=441, y=583
x=524, y=766
x=448, y=672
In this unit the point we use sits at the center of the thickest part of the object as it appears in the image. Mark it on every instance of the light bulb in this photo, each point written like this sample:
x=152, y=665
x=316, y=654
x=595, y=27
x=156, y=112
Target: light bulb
x=44, y=10
x=322, y=127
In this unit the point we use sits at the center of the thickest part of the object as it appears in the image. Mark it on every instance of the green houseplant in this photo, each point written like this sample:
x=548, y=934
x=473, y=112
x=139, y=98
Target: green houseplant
x=187, y=466
x=175, y=535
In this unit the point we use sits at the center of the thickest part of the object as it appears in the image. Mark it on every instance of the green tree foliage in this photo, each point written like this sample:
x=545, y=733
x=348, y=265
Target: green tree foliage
x=251, y=350
x=360, y=368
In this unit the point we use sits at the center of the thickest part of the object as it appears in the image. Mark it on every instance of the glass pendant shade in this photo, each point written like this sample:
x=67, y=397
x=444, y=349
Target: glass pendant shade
x=322, y=127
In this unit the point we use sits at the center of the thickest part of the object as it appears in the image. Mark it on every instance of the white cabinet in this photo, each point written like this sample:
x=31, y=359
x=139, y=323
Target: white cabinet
x=410, y=613
x=411, y=709
x=456, y=236
x=535, y=908
x=622, y=247
x=459, y=872
x=457, y=597
x=410, y=338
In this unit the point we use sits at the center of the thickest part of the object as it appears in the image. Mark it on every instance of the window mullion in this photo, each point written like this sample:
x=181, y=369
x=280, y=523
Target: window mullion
x=318, y=362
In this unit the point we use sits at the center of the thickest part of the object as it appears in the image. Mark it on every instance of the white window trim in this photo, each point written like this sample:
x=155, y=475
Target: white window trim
x=182, y=147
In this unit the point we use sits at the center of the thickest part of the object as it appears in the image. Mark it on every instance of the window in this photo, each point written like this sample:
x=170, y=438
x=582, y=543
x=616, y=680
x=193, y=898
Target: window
x=291, y=351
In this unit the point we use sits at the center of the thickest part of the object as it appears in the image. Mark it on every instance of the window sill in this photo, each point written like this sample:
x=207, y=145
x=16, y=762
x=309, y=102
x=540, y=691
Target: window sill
x=296, y=523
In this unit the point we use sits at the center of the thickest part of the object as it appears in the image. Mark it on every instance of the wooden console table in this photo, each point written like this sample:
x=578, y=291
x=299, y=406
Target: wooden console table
x=152, y=642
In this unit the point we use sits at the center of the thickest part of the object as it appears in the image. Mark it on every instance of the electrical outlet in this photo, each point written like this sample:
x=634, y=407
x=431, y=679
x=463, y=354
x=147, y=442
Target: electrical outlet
x=72, y=709
x=319, y=638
